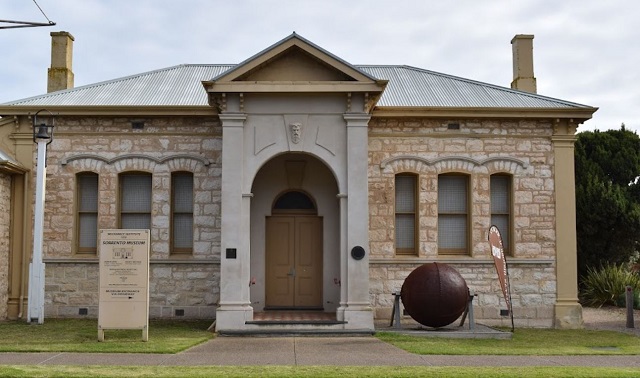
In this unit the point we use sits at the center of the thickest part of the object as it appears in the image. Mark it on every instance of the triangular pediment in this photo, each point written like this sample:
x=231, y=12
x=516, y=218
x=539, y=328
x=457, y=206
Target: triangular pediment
x=294, y=65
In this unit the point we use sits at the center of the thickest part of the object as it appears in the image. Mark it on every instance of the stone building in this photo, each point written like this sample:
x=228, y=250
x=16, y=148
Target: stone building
x=259, y=180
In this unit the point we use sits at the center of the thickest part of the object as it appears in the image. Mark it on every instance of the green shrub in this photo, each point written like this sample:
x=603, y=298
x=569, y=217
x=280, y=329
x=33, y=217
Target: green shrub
x=605, y=285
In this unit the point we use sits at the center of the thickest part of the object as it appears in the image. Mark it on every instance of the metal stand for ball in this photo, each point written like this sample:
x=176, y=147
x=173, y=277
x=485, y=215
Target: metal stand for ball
x=469, y=310
x=395, y=313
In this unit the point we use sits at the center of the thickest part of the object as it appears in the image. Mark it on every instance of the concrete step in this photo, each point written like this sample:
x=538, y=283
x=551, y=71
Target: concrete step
x=282, y=332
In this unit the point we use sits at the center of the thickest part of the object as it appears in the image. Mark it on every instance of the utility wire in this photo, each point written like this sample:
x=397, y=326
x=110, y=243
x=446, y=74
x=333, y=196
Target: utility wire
x=26, y=24
x=45, y=16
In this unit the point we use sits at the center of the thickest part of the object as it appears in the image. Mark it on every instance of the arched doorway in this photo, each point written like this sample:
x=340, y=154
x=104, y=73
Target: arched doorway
x=303, y=187
x=294, y=253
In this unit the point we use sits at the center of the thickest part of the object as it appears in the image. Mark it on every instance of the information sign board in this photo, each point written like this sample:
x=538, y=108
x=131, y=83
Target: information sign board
x=124, y=281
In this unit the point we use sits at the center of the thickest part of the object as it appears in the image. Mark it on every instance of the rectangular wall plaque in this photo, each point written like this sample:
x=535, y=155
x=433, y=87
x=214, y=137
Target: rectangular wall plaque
x=231, y=253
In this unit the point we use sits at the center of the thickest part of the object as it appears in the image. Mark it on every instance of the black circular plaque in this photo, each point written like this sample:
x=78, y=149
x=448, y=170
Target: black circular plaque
x=357, y=252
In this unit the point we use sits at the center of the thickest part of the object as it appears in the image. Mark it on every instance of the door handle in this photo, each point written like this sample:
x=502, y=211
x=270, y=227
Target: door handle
x=292, y=272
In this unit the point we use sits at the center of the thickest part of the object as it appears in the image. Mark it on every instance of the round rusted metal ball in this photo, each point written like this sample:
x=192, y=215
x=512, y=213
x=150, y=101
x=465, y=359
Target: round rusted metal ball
x=434, y=294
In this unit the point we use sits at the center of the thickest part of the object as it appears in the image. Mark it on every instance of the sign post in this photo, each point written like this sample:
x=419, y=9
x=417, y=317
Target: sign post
x=497, y=251
x=124, y=281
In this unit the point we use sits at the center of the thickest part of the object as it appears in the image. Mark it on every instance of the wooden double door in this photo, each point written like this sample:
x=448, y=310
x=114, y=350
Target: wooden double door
x=293, y=262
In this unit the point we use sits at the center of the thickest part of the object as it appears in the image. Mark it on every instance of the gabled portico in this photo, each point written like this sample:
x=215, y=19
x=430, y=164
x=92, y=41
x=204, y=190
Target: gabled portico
x=294, y=120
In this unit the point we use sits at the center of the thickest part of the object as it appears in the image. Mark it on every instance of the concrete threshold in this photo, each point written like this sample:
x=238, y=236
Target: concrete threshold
x=296, y=332
x=294, y=322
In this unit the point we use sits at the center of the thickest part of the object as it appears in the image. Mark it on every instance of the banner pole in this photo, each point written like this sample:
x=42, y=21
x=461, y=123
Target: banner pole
x=506, y=266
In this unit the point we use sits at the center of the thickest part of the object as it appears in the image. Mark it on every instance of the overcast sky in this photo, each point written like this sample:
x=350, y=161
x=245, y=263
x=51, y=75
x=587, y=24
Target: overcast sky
x=585, y=51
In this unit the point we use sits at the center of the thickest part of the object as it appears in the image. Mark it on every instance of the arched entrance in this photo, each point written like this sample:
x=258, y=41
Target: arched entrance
x=295, y=235
x=293, y=252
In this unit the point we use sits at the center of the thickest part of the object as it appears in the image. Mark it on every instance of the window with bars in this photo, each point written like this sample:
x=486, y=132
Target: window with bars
x=87, y=212
x=453, y=214
x=135, y=201
x=182, y=212
x=406, y=214
x=501, y=207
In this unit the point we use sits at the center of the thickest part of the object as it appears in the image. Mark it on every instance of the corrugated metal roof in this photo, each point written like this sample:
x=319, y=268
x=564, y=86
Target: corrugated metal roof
x=6, y=158
x=182, y=86
x=173, y=86
x=415, y=87
x=10, y=165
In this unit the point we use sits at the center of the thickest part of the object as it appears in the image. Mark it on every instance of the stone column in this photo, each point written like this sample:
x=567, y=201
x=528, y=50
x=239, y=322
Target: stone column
x=568, y=312
x=344, y=278
x=358, y=312
x=234, y=306
x=22, y=228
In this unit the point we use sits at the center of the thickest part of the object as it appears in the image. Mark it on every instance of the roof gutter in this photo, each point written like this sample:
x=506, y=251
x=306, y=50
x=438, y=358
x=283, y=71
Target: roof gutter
x=12, y=168
x=577, y=114
x=110, y=110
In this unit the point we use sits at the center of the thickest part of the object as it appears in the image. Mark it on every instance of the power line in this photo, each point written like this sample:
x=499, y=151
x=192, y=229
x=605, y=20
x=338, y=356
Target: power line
x=26, y=24
x=45, y=16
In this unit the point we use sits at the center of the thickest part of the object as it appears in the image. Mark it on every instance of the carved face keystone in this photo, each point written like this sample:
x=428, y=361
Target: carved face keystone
x=296, y=132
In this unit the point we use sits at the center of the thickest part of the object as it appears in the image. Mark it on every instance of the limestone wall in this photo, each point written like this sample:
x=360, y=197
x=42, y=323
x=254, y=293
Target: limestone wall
x=533, y=291
x=5, y=223
x=191, y=288
x=428, y=148
x=111, y=146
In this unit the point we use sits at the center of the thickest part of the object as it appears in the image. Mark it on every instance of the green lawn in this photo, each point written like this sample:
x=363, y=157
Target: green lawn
x=81, y=335
x=525, y=341
x=312, y=371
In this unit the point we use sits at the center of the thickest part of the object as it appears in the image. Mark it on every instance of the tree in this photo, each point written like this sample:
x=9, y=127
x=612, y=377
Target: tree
x=607, y=197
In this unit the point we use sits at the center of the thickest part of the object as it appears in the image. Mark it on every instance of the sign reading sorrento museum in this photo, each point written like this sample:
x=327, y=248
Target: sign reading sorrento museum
x=124, y=281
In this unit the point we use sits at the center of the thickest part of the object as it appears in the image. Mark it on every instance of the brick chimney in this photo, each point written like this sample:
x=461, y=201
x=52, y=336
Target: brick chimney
x=523, y=79
x=60, y=75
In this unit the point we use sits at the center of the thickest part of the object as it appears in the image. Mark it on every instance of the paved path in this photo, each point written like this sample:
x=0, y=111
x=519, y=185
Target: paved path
x=338, y=351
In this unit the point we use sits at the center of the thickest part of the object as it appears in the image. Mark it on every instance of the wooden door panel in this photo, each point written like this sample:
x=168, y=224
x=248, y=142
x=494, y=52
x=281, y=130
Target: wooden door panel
x=293, y=254
x=279, y=249
x=308, y=258
x=306, y=293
